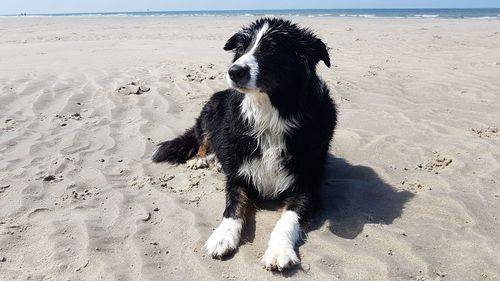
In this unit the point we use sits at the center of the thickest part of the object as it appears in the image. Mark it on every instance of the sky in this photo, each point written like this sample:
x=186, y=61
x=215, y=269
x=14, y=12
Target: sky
x=85, y=6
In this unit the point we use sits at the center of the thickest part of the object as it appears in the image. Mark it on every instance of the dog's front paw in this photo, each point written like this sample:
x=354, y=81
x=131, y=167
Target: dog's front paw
x=224, y=239
x=279, y=257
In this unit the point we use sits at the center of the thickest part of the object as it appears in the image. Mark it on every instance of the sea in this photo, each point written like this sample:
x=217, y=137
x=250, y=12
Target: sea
x=482, y=13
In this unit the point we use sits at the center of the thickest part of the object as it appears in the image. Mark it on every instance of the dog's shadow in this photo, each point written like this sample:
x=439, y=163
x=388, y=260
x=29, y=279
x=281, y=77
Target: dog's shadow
x=353, y=196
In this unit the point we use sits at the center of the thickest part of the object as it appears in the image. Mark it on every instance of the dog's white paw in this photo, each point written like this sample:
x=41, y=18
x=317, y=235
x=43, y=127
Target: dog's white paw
x=279, y=257
x=204, y=162
x=217, y=165
x=225, y=238
x=280, y=254
x=197, y=163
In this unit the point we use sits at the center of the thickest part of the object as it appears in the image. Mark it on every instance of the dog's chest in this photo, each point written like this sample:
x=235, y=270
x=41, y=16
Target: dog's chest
x=267, y=172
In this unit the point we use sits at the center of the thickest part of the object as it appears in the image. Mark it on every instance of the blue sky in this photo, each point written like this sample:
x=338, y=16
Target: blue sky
x=72, y=6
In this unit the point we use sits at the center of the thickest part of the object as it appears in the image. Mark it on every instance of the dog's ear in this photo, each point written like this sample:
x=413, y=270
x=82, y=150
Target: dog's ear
x=233, y=42
x=317, y=50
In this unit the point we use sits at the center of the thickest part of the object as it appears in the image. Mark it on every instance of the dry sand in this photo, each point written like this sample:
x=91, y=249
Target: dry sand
x=412, y=187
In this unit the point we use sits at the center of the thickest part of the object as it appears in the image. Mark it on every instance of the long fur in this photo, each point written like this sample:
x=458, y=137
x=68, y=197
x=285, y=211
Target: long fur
x=178, y=150
x=270, y=132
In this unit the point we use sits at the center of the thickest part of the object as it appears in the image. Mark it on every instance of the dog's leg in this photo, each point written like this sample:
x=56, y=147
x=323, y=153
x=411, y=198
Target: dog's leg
x=203, y=157
x=280, y=254
x=226, y=237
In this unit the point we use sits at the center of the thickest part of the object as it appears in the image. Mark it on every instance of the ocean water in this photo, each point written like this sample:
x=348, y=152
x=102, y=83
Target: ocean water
x=486, y=13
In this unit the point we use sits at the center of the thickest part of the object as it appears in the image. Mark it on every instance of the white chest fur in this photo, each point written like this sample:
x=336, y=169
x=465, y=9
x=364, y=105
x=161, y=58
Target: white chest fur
x=268, y=172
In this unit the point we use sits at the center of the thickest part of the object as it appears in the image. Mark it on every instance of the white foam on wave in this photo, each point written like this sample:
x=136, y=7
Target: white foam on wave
x=484, y=18
x=362, y=16
x=426, y=16
x=488, y=15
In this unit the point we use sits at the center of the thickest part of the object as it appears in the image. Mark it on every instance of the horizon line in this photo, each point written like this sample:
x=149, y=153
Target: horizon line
x=236, y=10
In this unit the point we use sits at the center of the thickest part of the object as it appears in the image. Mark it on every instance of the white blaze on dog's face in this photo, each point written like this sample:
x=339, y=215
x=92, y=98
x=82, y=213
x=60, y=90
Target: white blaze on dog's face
x=273, y=56
x=242, y=74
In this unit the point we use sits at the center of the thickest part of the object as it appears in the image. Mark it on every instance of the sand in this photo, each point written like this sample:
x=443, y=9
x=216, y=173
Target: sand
x=412, y=186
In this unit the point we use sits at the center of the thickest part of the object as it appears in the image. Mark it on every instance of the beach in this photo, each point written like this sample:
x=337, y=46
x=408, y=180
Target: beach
x=412, y=185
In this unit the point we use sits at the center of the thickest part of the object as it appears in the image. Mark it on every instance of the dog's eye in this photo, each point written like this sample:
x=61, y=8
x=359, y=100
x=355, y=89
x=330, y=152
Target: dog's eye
x=267, y=48
x=240, y=49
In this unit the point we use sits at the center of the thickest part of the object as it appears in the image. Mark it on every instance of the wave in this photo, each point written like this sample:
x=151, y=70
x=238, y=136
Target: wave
x=426, y=16
x=358, y=13
x=484, y=18
x=363, y=16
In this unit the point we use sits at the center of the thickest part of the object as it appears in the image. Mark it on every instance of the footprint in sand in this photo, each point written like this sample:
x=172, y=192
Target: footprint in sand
x=486, y=132
x=436, y=164
x=202, y=73
x=414, y=187
x=133, y=88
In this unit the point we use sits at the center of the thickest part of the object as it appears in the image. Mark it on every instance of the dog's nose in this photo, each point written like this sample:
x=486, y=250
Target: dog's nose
x=239, y=74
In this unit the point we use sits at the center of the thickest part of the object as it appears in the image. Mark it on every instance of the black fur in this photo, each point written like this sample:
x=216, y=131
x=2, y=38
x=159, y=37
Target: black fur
x=287, y=56
x=178, y=150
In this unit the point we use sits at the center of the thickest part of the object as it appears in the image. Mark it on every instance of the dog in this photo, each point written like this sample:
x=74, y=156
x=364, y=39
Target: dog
x=270, y=133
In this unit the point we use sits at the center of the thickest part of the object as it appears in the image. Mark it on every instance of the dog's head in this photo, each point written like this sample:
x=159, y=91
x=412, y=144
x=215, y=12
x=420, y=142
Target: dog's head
x=271, y=53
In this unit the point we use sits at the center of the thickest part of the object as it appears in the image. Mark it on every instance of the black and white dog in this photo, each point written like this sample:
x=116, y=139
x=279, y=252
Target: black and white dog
x=270, y=132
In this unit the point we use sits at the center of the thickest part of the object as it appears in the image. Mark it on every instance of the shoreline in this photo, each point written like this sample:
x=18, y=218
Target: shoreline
x=453, y=13
x=248, y=16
